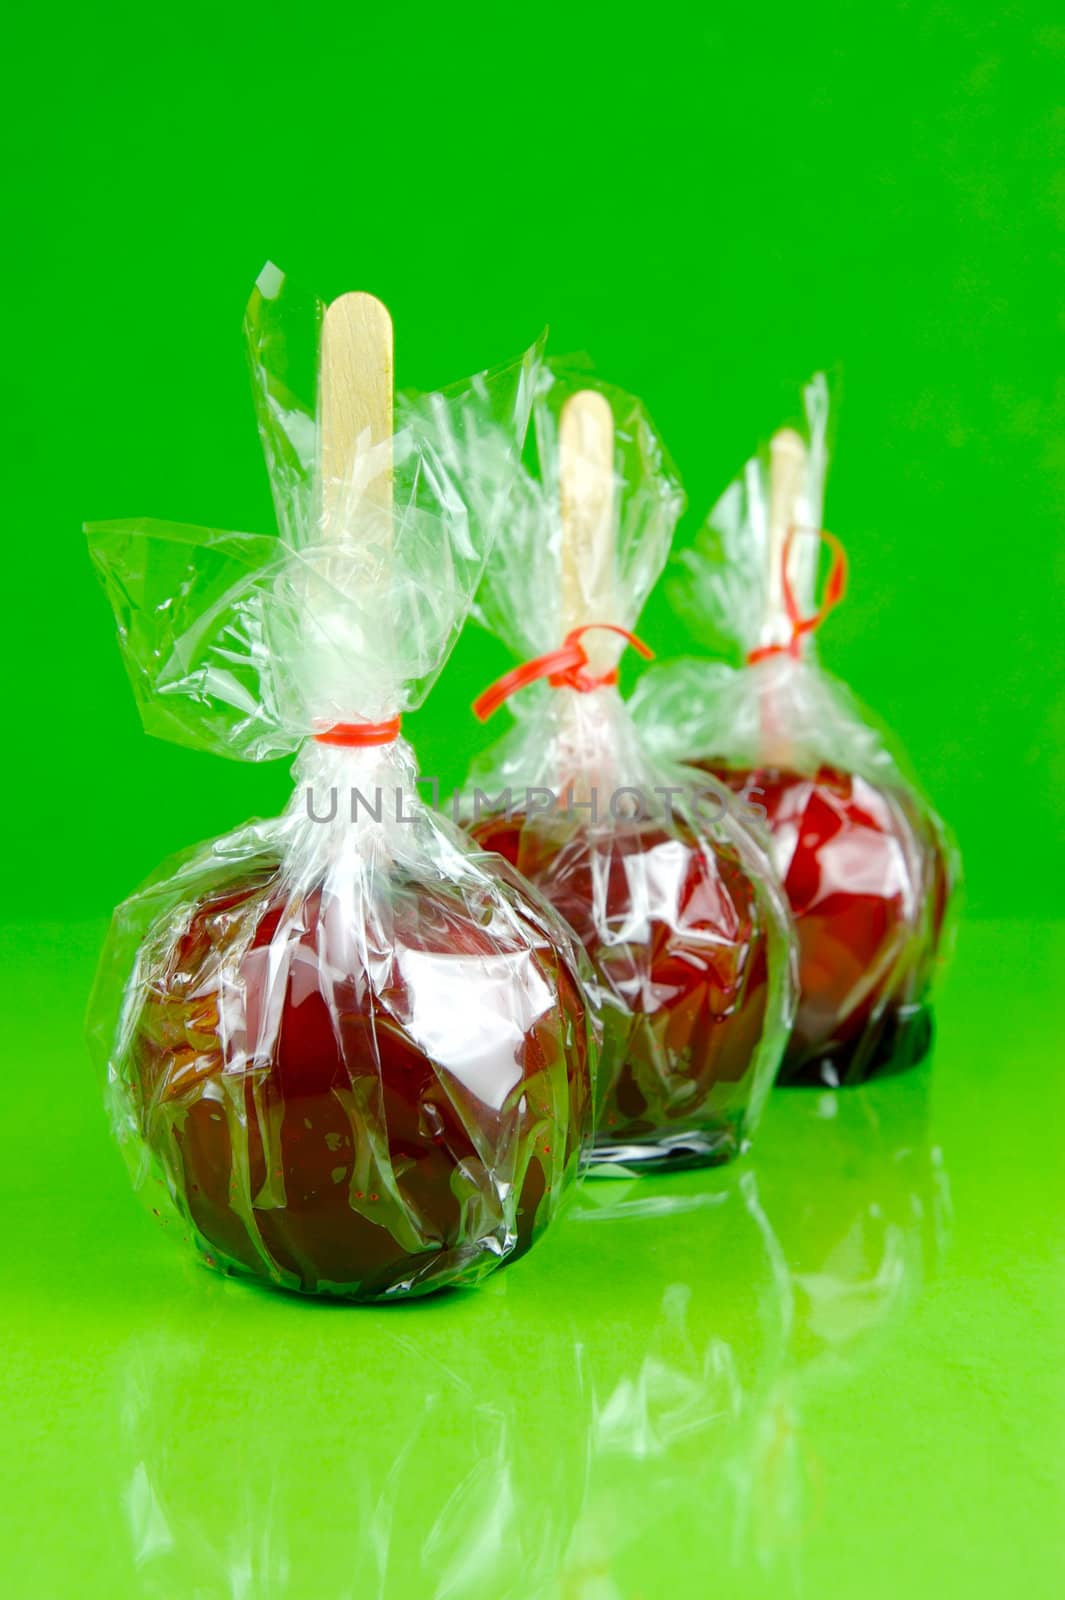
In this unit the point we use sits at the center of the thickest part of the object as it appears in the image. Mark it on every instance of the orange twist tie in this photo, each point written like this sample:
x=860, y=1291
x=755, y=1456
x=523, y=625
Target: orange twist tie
x=834, y=591
x=360, y=735
x=563, y=668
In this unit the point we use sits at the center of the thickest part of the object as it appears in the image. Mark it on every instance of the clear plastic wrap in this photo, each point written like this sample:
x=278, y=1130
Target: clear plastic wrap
x=343, y=1051
x=868, y=866
x=674, y=901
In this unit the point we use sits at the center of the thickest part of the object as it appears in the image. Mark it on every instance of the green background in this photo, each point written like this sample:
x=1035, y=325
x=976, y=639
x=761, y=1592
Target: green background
x=834, y=1369
x=710, y=205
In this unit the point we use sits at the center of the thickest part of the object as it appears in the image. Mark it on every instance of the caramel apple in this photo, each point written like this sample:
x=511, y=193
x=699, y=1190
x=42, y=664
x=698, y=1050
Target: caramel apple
x=867, y=882
x=349, y=1115
x=674, y=931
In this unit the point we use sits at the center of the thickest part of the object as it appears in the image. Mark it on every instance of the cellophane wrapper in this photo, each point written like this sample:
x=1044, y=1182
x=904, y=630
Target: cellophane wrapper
x=675, y=901
x=869, y=867
x=344, y=1053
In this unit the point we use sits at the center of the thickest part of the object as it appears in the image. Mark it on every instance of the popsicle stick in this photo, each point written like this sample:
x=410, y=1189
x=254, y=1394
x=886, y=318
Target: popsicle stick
x=355, y=399
x=586, y=485
x=787, y=481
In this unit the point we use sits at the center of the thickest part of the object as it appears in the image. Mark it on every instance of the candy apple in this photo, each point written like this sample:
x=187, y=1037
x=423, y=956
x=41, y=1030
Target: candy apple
x=868, y=884
x=363, y=1107
x=672, y=926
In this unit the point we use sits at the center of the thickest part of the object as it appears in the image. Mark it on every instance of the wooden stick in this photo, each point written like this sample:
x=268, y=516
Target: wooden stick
x=787, y=480
x=586, y=486
x=355, y=397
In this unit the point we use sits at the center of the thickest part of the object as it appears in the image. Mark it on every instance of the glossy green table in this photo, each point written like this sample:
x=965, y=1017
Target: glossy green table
x=834, y=1370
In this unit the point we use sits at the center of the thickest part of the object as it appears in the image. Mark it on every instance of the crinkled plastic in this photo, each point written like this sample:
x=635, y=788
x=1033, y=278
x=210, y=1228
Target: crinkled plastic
x=868, y=866
x=344, y=1052
x=677, y=906
x=242, y=644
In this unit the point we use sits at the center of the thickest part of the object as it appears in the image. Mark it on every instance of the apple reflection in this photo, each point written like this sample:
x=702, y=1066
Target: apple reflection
x=642, y=1383
x=858, y=1199
x=386, y=1453
x=676, y=1385
x=796, y=1272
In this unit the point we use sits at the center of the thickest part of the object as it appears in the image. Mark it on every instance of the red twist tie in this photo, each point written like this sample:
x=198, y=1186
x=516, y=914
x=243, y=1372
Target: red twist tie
x=563, y=668
x=360, y=735
x=834, y=591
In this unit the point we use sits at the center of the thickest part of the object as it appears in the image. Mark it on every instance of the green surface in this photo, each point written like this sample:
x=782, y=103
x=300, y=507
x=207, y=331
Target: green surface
x=833, y=1371
x=710, y=203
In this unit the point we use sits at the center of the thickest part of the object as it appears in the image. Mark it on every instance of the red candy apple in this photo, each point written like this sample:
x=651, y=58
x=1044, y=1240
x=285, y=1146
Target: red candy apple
x=675, y=935
x=868, y=885
x=368, y=1114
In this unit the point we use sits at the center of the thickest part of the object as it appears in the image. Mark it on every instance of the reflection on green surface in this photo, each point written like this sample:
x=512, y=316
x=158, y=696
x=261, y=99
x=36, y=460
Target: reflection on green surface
x=819, y=1372
x=541, y=1437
